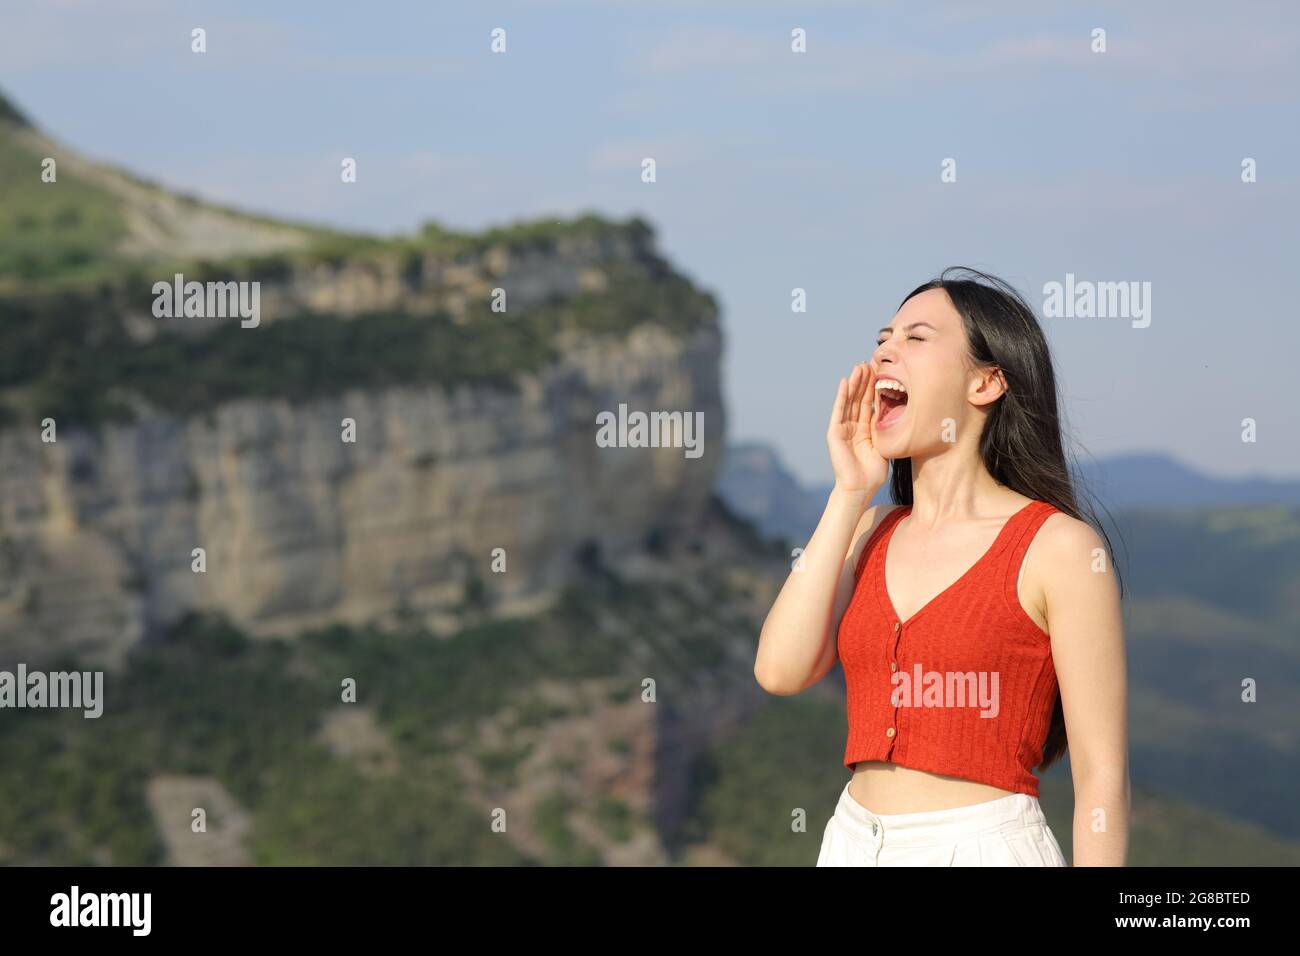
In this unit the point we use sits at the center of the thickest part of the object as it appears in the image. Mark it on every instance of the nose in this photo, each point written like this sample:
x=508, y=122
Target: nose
x=884, y=353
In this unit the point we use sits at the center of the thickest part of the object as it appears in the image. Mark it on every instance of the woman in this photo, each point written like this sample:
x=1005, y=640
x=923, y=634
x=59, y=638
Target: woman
x=976, y=618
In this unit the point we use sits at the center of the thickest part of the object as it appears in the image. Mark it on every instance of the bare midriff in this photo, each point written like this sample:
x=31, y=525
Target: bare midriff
x=884, y=787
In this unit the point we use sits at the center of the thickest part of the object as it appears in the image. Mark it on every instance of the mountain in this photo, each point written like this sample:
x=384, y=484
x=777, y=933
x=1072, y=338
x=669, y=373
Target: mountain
x=365, y=448
x=1160, y=482
x=384, y=464
x=395, y=478
x=756, y=483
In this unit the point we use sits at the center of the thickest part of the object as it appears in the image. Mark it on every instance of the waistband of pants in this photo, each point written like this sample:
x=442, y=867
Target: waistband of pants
x=940, y=826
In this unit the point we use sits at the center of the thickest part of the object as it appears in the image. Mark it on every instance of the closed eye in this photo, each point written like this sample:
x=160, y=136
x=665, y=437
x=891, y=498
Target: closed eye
x=910, y=337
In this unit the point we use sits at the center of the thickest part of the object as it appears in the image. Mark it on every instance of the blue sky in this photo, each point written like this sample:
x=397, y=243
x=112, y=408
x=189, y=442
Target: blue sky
x=775, y=170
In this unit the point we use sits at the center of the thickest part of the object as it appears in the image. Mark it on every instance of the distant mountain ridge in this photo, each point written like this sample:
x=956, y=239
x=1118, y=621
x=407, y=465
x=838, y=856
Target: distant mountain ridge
x=756, y=483
x=1161, y=482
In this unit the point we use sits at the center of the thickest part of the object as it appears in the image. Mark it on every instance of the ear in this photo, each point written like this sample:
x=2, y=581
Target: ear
x=990, y=385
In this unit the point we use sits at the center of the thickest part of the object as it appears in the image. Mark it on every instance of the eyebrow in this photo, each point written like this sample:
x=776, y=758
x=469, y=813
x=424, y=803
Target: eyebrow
x=914, y=325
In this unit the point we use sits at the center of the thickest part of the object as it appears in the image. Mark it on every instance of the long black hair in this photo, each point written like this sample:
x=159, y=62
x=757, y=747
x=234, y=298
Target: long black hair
x=1021, y=444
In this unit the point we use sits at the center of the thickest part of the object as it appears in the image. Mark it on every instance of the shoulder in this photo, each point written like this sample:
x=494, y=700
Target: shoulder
x=874, y=518
x=887, y=511
x=1066, y=538
x=1071, y=589
x=885, y=514
x=871, y=522
x=1068, y=559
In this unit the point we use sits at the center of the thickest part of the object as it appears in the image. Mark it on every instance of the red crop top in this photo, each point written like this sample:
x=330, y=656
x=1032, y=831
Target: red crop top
x=964, y=687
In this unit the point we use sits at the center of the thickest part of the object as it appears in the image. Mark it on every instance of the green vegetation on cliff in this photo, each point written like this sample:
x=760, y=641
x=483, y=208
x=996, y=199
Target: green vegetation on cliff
x=69, y=228
x=64, y=361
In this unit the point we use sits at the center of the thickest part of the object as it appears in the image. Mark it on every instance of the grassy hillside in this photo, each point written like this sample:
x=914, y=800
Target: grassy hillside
x=100, y=224
x=204, y=700
x=95, y=220
x=1213, y=608
x=69, y=228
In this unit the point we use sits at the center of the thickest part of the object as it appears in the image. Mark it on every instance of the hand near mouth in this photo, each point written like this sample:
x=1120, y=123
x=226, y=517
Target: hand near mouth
x=858, y=466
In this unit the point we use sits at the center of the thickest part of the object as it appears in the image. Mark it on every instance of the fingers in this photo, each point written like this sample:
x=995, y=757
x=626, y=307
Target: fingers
x=861, y=395
x=853, y=399
x=855, y=394
x=837, y=410
x=868, y=413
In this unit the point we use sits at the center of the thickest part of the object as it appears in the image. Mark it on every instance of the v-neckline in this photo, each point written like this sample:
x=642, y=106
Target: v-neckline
x=884, y=564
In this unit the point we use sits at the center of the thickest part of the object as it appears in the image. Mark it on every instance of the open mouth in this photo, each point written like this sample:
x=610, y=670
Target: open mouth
x=891, y=401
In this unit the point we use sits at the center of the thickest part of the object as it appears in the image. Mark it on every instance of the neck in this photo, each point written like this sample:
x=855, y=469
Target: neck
x=953, y=485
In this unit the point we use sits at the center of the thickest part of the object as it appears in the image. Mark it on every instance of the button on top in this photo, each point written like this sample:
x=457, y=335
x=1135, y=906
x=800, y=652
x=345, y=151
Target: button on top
x=897, y=625
x=889, y=732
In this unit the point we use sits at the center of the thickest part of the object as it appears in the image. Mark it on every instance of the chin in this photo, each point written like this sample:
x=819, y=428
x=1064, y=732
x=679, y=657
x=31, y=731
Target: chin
x=893, y=443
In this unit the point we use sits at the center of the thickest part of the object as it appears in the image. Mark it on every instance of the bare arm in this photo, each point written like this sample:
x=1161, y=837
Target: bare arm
x=1087, y=633
x=797, y=645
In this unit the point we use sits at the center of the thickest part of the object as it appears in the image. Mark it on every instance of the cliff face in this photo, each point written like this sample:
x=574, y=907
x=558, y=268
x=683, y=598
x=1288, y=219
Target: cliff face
x=474, y=430
x=300, y=527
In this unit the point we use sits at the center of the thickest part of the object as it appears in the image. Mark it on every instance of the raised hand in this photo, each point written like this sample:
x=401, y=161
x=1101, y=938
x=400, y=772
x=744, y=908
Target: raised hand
x=858, y=466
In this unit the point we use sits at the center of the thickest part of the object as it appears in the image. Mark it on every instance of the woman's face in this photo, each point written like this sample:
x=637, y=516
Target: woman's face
x=924, y=348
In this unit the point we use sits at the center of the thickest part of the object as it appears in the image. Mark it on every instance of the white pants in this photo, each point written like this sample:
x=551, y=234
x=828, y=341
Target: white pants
x=1008, y=831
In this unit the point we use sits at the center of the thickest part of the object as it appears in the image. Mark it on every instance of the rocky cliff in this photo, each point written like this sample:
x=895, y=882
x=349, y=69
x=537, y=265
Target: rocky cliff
x=300, y=526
